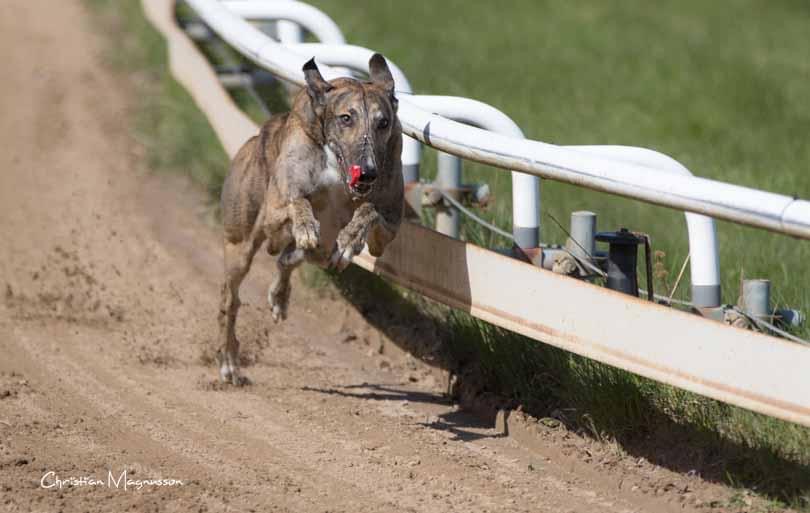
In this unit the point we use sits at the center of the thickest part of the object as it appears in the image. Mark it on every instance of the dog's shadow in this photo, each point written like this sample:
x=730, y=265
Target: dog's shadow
x=464, y=427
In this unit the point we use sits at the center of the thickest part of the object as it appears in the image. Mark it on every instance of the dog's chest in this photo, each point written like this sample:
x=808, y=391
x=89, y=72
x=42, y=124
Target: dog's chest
x=330, y=201
x=330, y=175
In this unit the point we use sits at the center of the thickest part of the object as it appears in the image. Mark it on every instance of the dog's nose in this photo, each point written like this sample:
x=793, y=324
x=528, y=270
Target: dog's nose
x=369, y=173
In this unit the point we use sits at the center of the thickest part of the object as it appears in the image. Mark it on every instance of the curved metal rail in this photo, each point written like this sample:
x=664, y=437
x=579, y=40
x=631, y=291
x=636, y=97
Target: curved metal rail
x=742, y=205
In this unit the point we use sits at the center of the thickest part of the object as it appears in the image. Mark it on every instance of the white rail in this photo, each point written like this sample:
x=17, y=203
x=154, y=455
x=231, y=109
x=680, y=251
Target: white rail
x=775, y=212
x=525, y=188
x=303, y=14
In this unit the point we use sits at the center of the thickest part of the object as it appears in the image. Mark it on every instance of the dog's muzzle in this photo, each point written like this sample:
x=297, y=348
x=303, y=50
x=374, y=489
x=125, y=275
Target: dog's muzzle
x=361, y=179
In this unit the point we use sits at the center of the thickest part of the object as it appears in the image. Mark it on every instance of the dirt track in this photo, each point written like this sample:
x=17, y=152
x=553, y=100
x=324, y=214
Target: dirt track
x=110, y=280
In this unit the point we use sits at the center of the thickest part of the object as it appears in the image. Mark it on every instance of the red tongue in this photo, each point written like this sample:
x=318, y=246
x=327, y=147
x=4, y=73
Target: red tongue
x=355, y=175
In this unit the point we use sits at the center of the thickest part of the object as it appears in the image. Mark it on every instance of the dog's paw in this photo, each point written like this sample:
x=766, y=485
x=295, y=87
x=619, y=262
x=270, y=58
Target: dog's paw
x=349, y=243
x=229, y=371
x=292, y=258
x=279, y=313
x=341, y=258
x=307, y=234
x=278, y=305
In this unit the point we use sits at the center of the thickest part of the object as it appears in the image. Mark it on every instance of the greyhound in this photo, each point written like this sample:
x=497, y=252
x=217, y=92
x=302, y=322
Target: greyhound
x=317, y=183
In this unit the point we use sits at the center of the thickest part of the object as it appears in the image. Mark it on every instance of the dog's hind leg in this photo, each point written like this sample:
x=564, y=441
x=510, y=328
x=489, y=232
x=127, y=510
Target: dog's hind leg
x=279, y=294
x=238, y=257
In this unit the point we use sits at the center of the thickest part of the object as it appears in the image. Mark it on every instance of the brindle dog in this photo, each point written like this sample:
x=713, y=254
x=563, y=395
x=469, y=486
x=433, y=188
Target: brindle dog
x=317, y=183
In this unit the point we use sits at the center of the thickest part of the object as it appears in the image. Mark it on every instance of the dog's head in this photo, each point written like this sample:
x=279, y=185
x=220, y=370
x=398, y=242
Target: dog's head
x=357, y=122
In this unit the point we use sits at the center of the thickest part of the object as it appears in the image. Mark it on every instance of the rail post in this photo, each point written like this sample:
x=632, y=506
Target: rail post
x=448, y=179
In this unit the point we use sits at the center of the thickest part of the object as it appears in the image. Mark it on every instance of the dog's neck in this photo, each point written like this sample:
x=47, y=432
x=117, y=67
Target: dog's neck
x=315, y=132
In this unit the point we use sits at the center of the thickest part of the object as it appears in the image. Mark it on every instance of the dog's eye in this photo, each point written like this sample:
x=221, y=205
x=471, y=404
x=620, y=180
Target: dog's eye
x=383, y=123
x=346, y=119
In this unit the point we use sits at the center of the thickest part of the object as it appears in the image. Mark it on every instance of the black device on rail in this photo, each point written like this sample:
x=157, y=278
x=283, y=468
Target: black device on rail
x=622, y=260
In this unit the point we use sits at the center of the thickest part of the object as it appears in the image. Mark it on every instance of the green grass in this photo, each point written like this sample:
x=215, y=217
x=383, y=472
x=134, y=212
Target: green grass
x=720, y=86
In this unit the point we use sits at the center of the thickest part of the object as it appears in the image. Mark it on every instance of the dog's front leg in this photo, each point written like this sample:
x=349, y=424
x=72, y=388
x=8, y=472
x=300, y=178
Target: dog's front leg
x=352, y=237
x=305, y=228
x=380, y=235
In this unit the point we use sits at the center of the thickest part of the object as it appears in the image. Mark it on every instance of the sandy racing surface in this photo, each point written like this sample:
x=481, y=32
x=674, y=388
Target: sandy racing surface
x=110, y=283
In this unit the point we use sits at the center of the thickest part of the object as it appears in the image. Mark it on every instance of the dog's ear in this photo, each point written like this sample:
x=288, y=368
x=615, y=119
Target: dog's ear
x=317, y=87
x=381, y=75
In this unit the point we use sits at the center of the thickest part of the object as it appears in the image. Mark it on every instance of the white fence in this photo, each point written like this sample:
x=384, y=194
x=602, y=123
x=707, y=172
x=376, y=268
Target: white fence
x=720, y=200
x=741, y=367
